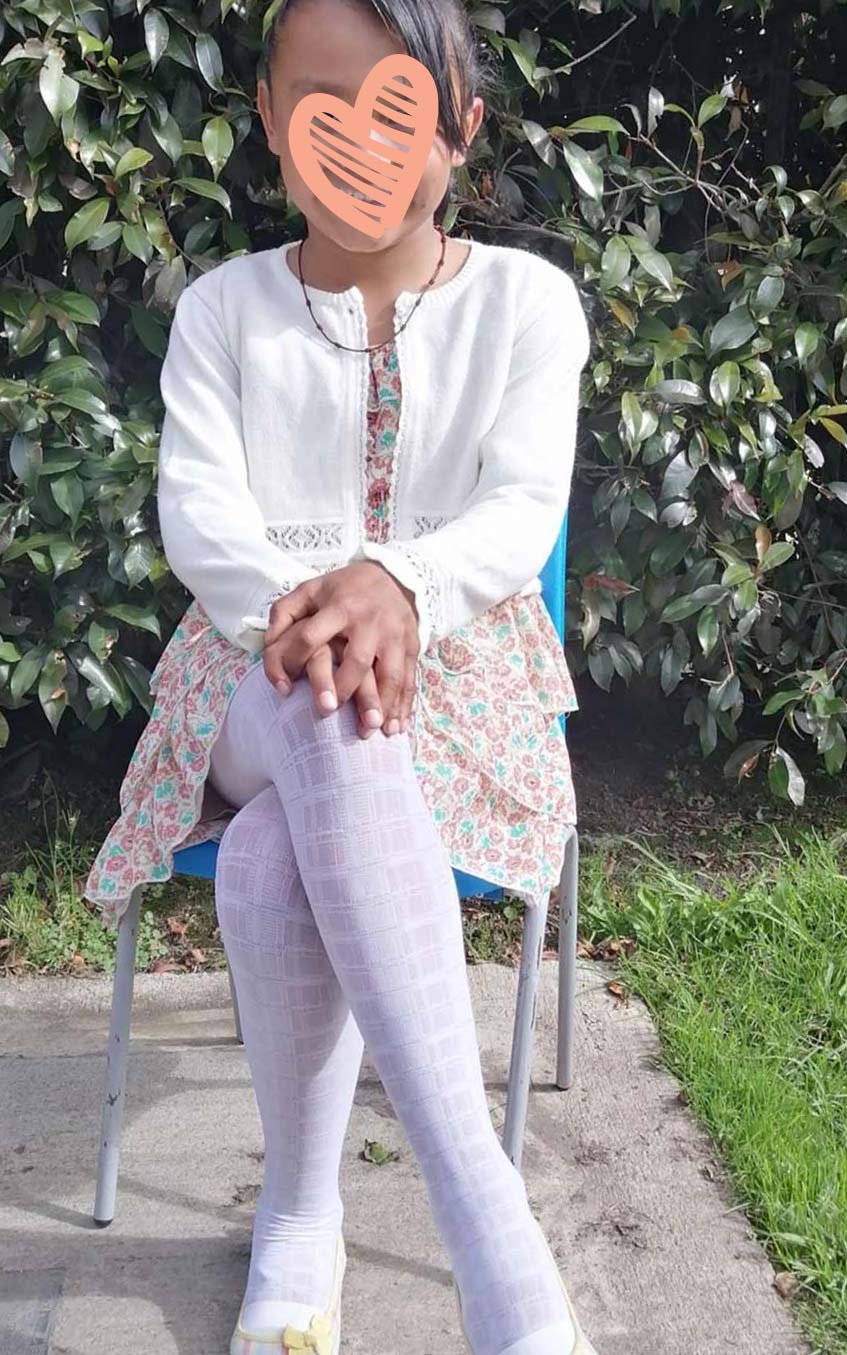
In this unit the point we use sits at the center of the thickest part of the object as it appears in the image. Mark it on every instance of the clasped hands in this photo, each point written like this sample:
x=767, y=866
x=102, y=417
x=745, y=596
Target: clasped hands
x=360, y=618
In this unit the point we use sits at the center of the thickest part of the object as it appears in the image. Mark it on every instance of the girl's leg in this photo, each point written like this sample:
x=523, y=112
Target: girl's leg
x=381, y=889
x=304, y=1051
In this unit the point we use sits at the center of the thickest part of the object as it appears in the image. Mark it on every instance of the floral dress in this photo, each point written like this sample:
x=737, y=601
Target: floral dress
x=488, y=747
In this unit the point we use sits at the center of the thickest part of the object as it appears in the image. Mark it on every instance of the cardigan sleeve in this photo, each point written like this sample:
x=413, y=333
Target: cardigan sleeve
x=213, y=531
x=509, y=525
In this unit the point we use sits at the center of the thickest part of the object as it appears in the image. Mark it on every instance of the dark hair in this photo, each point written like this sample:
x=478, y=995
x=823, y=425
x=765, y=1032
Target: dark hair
x=437, y=33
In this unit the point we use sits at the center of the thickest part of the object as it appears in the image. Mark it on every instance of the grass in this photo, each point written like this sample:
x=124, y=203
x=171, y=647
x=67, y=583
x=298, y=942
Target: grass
x=748, y=987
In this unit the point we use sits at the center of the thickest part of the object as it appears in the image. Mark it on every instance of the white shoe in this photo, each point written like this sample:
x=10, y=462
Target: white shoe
x=323, y=1335
x=581, y=1346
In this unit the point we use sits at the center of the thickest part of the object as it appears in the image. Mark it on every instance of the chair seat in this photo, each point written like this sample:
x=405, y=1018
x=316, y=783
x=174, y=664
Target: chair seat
x=200, y=862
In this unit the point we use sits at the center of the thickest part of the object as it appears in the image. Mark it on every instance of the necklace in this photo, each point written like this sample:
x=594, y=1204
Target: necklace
x=375, y=347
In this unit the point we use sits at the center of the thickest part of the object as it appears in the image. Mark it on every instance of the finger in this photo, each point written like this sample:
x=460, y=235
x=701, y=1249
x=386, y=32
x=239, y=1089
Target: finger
x=390, y=676
x=294, y=606
x=320, y=674
x=367, y=702
x=307, y=636
x=274, y=670
x=358, y=660
x=407, y=698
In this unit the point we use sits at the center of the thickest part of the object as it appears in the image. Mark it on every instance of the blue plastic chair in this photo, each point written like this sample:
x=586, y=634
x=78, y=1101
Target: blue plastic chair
x=200, y=862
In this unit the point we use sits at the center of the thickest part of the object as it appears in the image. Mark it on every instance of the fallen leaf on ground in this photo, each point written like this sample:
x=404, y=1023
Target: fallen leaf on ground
x=617, y=990
x=786, y=1284
x=376, y=1152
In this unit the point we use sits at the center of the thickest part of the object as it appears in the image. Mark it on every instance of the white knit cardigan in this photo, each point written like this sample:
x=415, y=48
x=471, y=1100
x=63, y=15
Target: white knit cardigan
x=262, y=463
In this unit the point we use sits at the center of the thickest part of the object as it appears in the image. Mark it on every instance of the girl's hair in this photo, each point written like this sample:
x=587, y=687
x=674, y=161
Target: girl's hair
x=437, y=33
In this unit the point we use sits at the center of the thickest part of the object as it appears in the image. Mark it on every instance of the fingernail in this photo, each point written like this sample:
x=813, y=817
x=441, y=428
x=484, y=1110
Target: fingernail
x=283, y=687
x=393, y=727
x=327, y=701
x=373, y=719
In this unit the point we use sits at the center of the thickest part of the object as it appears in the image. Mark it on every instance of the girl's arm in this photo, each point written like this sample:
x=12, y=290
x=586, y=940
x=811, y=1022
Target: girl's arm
x=504, y=536
x=212, y=527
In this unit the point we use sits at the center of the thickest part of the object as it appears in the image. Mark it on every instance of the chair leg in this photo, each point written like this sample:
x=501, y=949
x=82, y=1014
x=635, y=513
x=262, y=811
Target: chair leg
x=117, y=1058
x=520, y=1065
x=568, y=903
x=235, y=1011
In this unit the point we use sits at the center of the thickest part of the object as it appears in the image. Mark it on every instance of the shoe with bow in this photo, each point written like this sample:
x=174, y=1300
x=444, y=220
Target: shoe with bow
x=322, y=1337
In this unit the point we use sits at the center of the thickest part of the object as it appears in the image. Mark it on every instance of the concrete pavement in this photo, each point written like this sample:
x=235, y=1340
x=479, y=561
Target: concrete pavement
x=657, y=1259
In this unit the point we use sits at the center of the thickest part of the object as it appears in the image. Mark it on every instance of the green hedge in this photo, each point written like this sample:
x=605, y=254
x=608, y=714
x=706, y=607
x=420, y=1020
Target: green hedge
x=686, y=167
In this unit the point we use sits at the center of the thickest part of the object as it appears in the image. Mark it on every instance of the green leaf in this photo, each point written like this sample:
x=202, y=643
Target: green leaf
x=58, y=90
x=101, y=675
x=776, y=555
x=9, y=652
x=169, y=136
x=781, y=699
x=708, y=630
x=269, y=15
x=25, y=673
x=149, y=331
x=652, y=262
x=210, y=61
x=132, y=159
x=682, y=607
x=83, y=224
x=768, y=296
x=678, y=392
x=725, y=384
x=732, y=330
x=598, y=123
x=586, y=172
x=835, y=114
x=785, y=778
x=615, y=263
x=667, y=554
x=69, y=494
x=137, y=242
x=205, y=188
x=710, y=108
x=9, y=211
x=87, y=403
x=81, y=308
x=489, y=17
x=156, y=32
x=806, y=340
x=218, y=142
x=142, y=617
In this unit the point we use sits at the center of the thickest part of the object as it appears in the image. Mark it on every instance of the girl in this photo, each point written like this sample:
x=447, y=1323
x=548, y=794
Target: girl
x=365, y=460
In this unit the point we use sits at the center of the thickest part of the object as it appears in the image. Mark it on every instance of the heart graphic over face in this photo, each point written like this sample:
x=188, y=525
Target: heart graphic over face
x=378, y=147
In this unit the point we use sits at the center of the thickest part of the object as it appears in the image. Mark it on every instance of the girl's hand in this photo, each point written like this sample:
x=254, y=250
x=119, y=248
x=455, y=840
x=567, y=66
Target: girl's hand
x=365, y=605
x=319, y=671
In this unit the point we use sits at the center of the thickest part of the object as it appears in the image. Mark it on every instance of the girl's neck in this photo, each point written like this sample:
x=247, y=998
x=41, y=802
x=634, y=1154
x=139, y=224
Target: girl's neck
x=405, y=266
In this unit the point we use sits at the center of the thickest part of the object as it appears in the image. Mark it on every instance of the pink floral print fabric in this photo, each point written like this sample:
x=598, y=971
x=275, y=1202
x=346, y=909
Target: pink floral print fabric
x=488, y=745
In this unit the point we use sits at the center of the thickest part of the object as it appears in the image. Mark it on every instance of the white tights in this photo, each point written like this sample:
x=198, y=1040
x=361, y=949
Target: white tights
x=340, y=920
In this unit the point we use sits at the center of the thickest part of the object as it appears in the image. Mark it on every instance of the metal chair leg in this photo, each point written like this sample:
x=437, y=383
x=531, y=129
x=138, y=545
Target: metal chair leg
x=235, y=1011
x=520, y=1065
x=117, y=1057
x=568, y=904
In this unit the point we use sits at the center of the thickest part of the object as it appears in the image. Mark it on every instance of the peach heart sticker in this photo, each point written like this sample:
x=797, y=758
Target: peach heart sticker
x=381, y=161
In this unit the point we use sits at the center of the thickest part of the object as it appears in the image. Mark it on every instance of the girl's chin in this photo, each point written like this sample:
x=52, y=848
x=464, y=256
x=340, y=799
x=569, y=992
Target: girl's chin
x=349, y=237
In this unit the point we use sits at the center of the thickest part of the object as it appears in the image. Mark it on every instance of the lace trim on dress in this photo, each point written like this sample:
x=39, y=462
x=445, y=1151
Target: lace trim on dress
x=307, y=536
x=430, y=522
x=432, y=591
